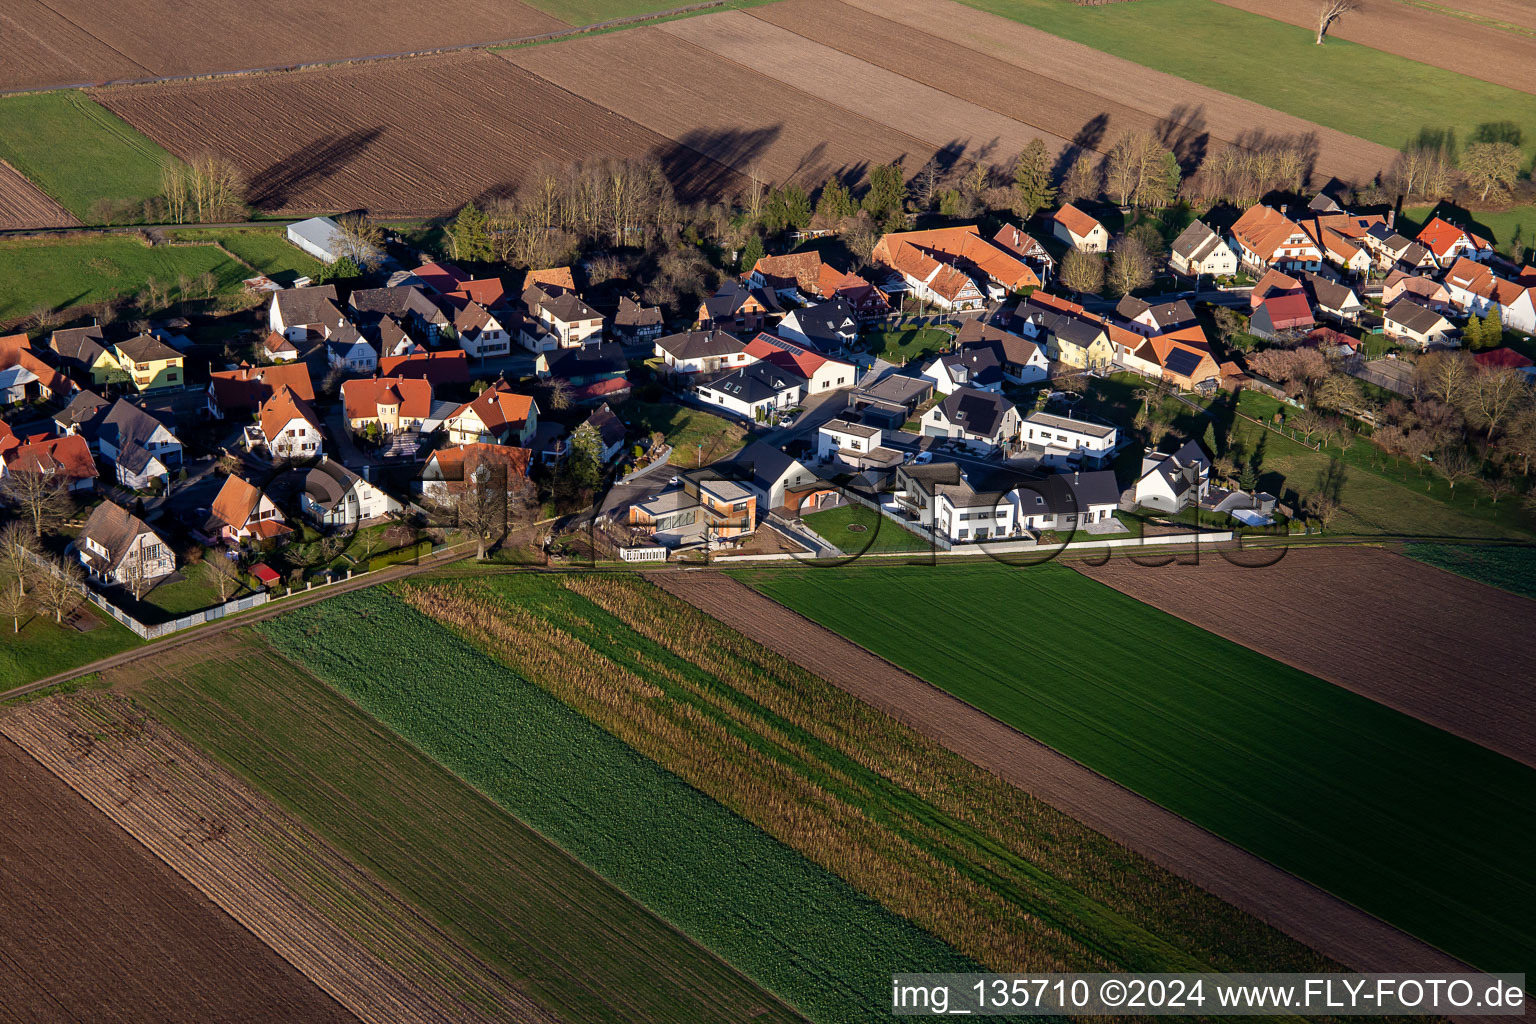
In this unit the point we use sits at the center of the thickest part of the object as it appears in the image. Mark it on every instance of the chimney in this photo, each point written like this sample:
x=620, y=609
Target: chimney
x=1075, y=475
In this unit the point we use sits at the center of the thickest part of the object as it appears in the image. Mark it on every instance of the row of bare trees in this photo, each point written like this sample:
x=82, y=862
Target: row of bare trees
x=206, y=189
x=54, y=585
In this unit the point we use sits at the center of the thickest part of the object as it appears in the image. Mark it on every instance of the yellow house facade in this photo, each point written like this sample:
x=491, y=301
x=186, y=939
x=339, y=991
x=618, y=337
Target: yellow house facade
x=150, y=363
x=1082, y=353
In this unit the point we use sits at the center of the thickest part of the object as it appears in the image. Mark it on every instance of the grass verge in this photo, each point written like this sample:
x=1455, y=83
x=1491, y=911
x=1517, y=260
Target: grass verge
x=61, y=273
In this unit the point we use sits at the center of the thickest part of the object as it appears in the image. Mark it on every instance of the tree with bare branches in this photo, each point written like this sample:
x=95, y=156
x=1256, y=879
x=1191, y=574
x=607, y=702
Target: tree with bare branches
x=17, y=545
x=41, y=499
x=224, y=575
x=1330, y=11
x=1454, y=465
x=1082, y=272
x=58, y=591
x=13, y=605
x=360, y=240
x=1494, y=393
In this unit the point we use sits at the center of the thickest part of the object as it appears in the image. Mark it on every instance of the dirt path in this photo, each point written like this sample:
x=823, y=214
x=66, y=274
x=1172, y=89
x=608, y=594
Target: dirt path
x=1444, y=649
x=1329, y=925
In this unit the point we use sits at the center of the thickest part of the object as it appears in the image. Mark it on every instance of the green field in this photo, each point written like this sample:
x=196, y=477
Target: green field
x=875, y=534
x=1425, y=830
x=266, y=249
x=44, y=647
x=697, y=437
x=61, y=273
x=1004, y=878
x=1500, y=226
x=78, y=151
x=582, y=948
x=1382, y=495
x=908, y=343
x=712, y=874
x=1356, y=89
x=1509, y=568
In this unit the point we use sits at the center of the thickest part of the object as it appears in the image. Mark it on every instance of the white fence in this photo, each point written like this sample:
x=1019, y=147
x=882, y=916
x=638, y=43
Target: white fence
x=644, y=554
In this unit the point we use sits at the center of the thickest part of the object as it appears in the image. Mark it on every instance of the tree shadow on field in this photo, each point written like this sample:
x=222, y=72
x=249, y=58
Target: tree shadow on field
x=698, y=163
x=275, y=185
x=1087, y=140
x=1183, y=131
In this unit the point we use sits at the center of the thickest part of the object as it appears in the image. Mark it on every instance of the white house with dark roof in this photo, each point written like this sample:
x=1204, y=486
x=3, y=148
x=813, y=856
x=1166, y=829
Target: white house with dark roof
x=335, y=496
x=1200, y=250
x=975, y=367
x=116, y=546
x=982, y=419
x=138, y=446
x=1059, y=440
x=755, y=392
x=1171, y=482
x=702, y=351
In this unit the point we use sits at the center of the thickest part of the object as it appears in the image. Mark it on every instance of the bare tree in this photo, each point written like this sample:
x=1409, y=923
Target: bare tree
x=1082, y=272
x=1082, y=181
x=1323, y=507
x=13, y=605
x=224, y=576
x=1130, y=267
x=1491, y=168
x=1493, y=394
x=40, y=498
x=1498, y=484
x=17, y=545
x=360, y=240
x=757, y=190
x=1455, y=464
x=58, y=591
x=1330, y=11
x=559, y=393
x=135, y=578
x=1445, y=375
x=480, y=509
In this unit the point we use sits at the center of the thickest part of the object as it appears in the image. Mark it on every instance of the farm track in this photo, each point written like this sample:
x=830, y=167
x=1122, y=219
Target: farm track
x=157, y=945
x=370, y=951
x=377, y=135
x=25, y=206
x=1463, y=45
x=1397, y=631
x=1329, y=925
x=1058, y=60
x=727, y=112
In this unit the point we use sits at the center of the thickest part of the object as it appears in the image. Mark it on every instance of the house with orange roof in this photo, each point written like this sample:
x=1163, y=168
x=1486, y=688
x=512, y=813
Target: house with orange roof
x=1079, y=230
x=1448, y=243
x=388, y=404
x=866, y=300
x=25, y=376
x=287, y=428
x=1426, y=290
x=241, y=391
x=1273, y=282
x=242, y=511
x=944, y=265
x=1476, y=289
x=1341, y=250
x=551, y=278
x=278, y=349
x=821, y=373
x=794, y=276
x=66, y=459
x=450, y=471
x=448, y=368
x=1265, y=237
x=498, y=415
x=1024, y=246
x=1280, y=313
x=1185, y=360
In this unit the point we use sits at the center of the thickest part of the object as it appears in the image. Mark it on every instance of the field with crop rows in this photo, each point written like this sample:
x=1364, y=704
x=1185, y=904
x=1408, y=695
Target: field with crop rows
x=715, y=876
x=374, y=136
x=24, y=205
x=157, y=945
x=581, y=948
x=1004, y=878
x=1509, y=568
x=1309, y=776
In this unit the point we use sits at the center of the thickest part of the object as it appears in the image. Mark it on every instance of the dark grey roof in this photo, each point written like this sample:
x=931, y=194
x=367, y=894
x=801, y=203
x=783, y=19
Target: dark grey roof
x=328, y=482
x=1196, y=241
x=978, y=412
x=126, y=425
x=728, y=298
x=85, y=412
x=146, y=347
x=828, y=323
x=79, y=346
x=700, y=344
x=897, y=389
x=398, y=301
x=974, y=366
x=1068, y=493
x=305, y=305
x=114, y=528
x=1418, y=319
x=1414, y=254
x=1324, y=203
x=1326, y=293
x=756, y=382
x=1070, y=328
x=587, y=360
x=1182, y=361
x=631, y=314
x=608, y=426
x=759, y=462
x=568, y=307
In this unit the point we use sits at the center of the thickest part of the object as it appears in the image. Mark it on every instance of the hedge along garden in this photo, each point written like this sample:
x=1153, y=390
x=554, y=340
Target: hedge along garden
x=1426, y=830
x=792, y=926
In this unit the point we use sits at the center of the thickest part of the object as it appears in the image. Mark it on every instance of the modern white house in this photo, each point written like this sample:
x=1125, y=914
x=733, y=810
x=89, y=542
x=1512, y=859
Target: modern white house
x=1066, y=501
x=1173, y=482
x=702, y=351
x=1059, y=440
x=336, y=496
x=975, y=367
x=755, y=392
x=857, y=446
x=982, y=419
x=138, y=446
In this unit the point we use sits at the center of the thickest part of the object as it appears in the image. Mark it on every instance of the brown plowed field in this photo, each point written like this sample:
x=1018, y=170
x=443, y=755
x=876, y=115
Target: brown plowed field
x=97, y=929
x=1327, y=924
x=77, y=41
x=1521, y=13
x=737, y=116
x=373, y=953
x=869, y=90
x=24, y=205
x=399, y=137
x=1095, y=72
x=1440, y=40
x=1434, y=645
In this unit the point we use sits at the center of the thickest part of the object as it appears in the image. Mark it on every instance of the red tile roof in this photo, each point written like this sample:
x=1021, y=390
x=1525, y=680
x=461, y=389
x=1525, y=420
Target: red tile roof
x=557, y=277
x=245, y=388
x=453, y=462
x=17, y=350
x=68, y=456
x=1503, y=357
x=1439, y=235
x=498, y=407
x=440, y=369
x=236, y=501
x=962, y=244
x=441, y=277
x=1075, y=220
x=283, y=408
x=785, y=354
x=1289, y=310
x=362, y=398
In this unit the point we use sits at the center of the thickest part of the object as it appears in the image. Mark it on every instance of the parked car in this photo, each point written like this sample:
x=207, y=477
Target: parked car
x=923, y=458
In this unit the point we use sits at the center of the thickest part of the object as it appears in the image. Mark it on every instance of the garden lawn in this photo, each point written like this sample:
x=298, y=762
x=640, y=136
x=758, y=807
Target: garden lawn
x=44, y=647
x=1425, y=830
x=266, y=249
x=78, y=151
x=690, y=431
x=715, y=876
x=876, y=534
x=908, y=343
x=1507, y=567
x=1382, y=495
x=582, y=948
x=61, y=273
x=1356, y=89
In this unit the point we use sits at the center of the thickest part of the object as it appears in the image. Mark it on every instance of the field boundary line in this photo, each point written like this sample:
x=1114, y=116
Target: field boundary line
x=1311, y=915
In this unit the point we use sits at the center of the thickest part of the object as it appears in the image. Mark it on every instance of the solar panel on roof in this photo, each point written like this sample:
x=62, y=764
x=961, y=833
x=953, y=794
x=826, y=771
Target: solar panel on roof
x=1182, y=362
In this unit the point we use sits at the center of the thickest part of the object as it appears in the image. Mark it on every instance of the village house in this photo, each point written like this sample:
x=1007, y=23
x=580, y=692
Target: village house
x=287, y=428
x=448, y=368
x=1448, y=243
x=478, y=331
x=1392, y=249
x=1058, y=440
x=138, y=446
x=242, y=511
x=25, y=376
x=1341, y=250
x=1333, y=299
x=448, y=472
x=595, y=372
x=558, y=319
x=773, y=478
x=278, y=349
x=635, y=324
x=1264, y=237
x=702, y=351
x=828, y=327
x=1172, y=482
x=1079, y=230
x=85, y=351
x=1022, y=361
x=1025, y=247
x=498, y=415
x=821, y=374
x=794, y=276
x=865, y=300
x=1476, y=290
x=296, y=313
x=1065, y=502
x=1072, y=335
x=857, y=446
x=1280, y=313
x=347, y=349
x=386, y=404
x=406, y=308
x=83, y=415
x=66, y=460
x=611, y=432
x=1199, y=250
x=701, y=508
x=1413, y=324
x=1274, y=283
x=982, y=419
x=240, y=392
x=116, y=546
x=1424, y=290
x=150, y=363
x=975, y=367
x=1147, y=318
x=755, y=392
x=734, y=307
x=930, y=267
x=333, y=495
